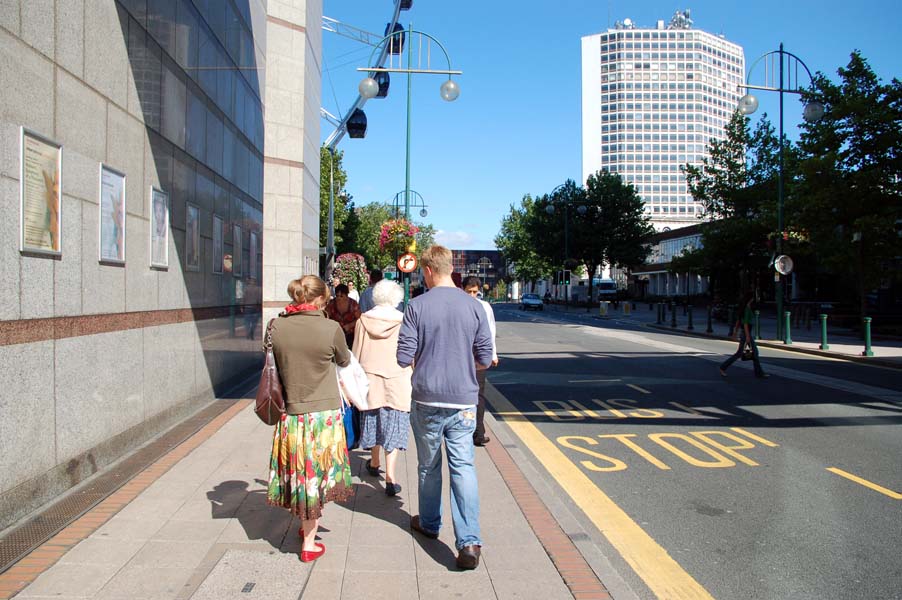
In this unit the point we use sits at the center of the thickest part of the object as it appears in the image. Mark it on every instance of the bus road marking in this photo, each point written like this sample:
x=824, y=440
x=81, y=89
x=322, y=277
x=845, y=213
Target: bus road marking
x=637, y=388
x=652, y=563
x=866, y=483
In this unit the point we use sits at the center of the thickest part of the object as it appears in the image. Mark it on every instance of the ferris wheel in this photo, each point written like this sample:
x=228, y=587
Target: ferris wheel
x=353, y=121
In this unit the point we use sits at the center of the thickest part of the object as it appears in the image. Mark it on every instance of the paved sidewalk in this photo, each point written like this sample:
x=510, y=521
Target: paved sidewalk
x=197, y=526
x=843, y=343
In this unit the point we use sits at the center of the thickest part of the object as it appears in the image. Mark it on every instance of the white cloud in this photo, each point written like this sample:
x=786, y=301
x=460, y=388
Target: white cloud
x=453, y=239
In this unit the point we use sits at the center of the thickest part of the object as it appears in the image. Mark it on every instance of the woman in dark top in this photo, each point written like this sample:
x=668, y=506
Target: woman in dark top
x=309, y=464
x=345, y=311
x=745, y=338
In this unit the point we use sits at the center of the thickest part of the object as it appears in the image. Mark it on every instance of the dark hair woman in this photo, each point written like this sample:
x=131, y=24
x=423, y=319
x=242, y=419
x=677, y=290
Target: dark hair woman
x=309, y=464
x=345, y=311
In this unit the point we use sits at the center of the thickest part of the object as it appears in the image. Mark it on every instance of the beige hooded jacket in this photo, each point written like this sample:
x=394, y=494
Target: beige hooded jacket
x=375, y=346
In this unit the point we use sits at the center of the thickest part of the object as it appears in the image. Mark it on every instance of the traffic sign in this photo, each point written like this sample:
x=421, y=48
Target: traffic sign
x=407, y=263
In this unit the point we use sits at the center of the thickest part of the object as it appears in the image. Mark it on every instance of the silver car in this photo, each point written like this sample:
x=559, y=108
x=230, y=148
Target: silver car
x=531, y=302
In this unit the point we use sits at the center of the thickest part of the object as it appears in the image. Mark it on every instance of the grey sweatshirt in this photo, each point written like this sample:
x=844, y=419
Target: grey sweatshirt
x=443, y=332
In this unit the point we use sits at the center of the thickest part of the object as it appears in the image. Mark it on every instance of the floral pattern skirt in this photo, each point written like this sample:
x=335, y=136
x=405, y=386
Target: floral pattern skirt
x=309, y=464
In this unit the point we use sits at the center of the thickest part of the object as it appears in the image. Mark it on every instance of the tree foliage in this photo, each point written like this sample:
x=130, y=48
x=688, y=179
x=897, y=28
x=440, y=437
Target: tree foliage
x=849, y=197
x=343, y=204
x=516, y=244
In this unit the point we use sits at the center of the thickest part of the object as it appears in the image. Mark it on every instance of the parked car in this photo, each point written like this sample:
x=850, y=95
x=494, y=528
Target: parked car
x=531, y=301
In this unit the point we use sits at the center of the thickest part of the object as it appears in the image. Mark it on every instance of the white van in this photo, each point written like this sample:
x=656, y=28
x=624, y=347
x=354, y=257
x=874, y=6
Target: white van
x=605, y=289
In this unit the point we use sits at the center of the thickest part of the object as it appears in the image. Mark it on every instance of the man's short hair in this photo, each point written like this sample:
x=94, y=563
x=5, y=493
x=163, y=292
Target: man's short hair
x=375, y=276
x=472, y=282
x=437, y=258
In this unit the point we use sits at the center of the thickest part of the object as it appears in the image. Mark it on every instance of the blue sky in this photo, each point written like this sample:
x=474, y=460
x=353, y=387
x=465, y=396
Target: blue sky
x=516, y=128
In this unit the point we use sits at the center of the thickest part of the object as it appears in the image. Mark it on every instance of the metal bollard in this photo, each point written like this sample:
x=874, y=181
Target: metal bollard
x=824, y=345
x=710, y=328
x=673, y=316
x=788, y=338
x=757, y=324
x=867, y=338
x=658, y=314
x=689, y=327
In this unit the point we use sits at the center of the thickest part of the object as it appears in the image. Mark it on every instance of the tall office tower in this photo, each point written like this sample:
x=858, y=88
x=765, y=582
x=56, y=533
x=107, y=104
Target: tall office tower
x=652, y=100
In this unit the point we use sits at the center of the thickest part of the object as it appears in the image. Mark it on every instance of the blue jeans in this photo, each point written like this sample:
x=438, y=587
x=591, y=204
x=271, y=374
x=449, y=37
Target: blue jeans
x=431, y=426
x=759, y=372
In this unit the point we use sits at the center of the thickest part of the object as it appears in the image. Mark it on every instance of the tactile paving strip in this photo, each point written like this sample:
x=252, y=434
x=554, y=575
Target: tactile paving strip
x=38, y=529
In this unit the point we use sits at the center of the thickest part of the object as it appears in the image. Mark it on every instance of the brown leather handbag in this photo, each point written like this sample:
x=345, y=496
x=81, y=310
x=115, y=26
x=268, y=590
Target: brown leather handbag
x=270, y=398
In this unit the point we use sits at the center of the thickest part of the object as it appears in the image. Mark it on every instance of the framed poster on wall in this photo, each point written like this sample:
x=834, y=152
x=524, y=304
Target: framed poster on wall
x=159, y=229
x=40, y=196
x=192, y=239
x=112, y=216
x=217, y=244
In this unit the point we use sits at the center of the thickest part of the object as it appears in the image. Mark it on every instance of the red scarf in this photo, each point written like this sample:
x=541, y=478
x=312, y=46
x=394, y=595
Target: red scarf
x=294, y=308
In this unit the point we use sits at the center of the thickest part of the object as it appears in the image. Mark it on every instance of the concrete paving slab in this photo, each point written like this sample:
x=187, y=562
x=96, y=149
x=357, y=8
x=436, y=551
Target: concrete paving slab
x=249, y=575
x=387, y=585
x=181, y=555
x=142, y=582
x=512, y=585
x=198, y=531
x=70, y=581
x=98, y=551
x=323, y=584
x=364, y=558
x=466, y=584
x=124, y=528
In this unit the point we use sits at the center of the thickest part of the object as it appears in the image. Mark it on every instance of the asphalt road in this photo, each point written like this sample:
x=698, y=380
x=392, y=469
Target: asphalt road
x=698, y=486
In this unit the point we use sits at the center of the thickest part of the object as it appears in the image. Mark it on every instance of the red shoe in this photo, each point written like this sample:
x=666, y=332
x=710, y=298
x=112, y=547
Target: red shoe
x=307, y=557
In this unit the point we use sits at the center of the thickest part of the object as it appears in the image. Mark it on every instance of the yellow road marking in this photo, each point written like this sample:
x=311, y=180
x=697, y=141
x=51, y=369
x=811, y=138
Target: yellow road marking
x=660, y=572
x=757, y=438
x=637, y=388
x=866, y=483
x=687, y=409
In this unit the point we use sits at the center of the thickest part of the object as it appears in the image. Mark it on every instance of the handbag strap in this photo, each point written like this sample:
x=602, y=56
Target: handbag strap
x=267, y=339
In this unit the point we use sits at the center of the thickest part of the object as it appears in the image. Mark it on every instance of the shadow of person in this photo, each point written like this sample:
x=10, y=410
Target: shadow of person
x=370, y=499
x=233, y=500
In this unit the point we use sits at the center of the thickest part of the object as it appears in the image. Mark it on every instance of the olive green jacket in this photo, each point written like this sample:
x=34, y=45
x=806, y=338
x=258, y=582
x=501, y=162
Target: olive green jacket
x=307, y=346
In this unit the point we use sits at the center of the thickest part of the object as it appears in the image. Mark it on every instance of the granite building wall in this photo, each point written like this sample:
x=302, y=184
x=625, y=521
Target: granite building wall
x=97, y=358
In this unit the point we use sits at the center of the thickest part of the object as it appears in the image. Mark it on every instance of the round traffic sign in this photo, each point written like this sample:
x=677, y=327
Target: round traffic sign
x=407, y=263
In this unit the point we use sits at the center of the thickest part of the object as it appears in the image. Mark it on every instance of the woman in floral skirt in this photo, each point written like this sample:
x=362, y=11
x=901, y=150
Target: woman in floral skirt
x=309, y=465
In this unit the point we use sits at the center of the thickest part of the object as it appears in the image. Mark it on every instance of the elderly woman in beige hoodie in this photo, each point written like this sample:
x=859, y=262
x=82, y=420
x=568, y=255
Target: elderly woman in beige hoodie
x=384, y=426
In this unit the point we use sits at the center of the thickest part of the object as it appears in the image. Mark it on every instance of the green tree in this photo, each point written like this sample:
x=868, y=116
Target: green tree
x=850, y=193
x=736, y=185
x=515, y=242
x=343, y=204
x=605, y=224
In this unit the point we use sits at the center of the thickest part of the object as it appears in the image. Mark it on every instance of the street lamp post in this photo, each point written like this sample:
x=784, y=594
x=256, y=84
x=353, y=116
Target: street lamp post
x=812, y=112
x=449, y=90
x=581, y=209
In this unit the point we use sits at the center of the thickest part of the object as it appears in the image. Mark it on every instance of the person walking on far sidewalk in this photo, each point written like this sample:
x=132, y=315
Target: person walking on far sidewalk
x=384, y=425
x=472, y=285
x=442, y=333
x=366, y=297
x=309, y=464
x=745, y=338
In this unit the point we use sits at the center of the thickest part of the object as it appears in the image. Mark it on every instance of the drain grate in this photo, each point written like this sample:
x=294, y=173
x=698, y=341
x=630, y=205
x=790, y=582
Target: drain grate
x=29, y=535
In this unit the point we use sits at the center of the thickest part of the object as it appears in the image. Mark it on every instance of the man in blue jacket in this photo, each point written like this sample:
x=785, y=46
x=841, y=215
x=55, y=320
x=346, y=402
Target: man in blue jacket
x=442, y=333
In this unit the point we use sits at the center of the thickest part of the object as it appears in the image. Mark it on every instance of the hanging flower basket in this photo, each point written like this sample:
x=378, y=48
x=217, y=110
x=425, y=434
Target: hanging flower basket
x=398, y=236
x=351, y=267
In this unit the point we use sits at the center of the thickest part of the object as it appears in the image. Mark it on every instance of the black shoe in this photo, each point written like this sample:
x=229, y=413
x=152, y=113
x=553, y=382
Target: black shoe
x=415, y=525
x=374, y=471
x=481, y=441
x=468, y=558
x=392, y=489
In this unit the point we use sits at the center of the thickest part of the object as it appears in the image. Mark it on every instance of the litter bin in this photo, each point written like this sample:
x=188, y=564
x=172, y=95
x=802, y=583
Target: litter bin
x=603, y=308
x=626, y=309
